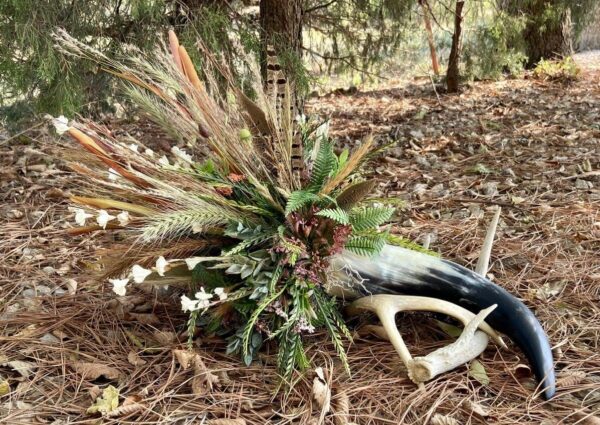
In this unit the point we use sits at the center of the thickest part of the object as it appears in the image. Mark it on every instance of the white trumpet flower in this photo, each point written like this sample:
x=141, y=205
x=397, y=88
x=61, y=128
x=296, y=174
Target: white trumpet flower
x=139, y=273
x=149, y=152
x=133, y=147
x=119, y=286
x=161, y=265
x=123, y=218
x=192, y=262
x=103, y=218
x=61, y=124
x=163, y=160
x=188, y=304
x=220, y=292
x=203, y=298
x=81, y=216
x=181, y=154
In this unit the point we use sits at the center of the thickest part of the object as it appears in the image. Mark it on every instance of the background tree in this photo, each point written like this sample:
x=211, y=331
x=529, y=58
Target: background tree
x=357, y=40
x=430, y=40
x=552, y=26
x=281, y=30
x=35, y=77
x=453, y=73
x=356, y=35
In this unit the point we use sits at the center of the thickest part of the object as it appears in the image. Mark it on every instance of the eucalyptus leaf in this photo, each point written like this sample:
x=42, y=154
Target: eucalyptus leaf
x=477, y=372
x=449, y=329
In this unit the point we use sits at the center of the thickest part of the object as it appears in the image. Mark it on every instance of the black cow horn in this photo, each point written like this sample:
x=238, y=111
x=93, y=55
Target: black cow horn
x=398, y=270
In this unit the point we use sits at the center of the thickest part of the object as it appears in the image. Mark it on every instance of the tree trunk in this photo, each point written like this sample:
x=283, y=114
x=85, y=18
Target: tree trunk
x=453, y=74
x=434, y=60
x=281, y=64
x=281, y=25
x=548, y=34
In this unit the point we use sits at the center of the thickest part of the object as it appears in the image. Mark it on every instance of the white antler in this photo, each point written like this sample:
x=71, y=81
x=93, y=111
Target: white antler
x=468, y=346
x=483, y=264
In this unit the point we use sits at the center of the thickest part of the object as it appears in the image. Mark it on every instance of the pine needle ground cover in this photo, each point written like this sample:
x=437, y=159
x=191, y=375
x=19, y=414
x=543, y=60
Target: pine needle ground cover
x=66, y=338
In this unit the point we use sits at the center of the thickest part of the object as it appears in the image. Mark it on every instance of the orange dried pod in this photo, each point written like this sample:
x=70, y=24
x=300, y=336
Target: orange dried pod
x=174, y=47
x=189, y=70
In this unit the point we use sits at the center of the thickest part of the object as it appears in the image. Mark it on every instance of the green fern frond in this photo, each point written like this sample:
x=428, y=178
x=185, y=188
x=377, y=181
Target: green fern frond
x=366, y=245
x=300, y=199
x=370, y=218
x=336, y=214
x=325, y=163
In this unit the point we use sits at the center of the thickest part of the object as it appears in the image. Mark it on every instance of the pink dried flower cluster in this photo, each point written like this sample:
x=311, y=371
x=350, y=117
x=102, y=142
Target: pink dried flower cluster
x=303, y=326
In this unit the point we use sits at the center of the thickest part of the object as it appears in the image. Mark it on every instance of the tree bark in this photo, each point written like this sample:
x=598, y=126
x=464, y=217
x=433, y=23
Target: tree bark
x=281, y=63
x=281, y=25
x=434, y=60
x=453, y=73
x=545, y=36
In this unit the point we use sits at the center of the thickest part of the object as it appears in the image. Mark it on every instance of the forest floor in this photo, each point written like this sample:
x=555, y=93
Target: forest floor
x=527, y=145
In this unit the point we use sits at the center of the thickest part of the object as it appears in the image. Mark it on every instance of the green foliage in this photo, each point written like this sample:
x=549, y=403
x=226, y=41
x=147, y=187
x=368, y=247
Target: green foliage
x=36, y=78
x=338, y=215
x=331, y=318
x=325, y=163
x=564, y=70
x=370, y=217
x=495, y=49
x=300, y=199
x=367, y=245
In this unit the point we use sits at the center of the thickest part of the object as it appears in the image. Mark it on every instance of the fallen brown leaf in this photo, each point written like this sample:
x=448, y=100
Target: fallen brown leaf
x=92, y=371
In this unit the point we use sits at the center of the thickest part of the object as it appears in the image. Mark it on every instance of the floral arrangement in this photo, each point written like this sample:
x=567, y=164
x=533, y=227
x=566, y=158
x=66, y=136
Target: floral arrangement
x=246, y=223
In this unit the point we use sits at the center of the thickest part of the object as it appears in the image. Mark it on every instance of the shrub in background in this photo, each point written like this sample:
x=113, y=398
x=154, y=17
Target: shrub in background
x=496, y=49
x=36, y=78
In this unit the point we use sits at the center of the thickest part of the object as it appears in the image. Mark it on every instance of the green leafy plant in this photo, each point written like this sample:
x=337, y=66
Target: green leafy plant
x=564, y=70
x=495, y=49
x=247, y=236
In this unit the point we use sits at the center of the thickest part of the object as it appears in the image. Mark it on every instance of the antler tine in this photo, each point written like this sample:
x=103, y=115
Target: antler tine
x=483, y=264
x=469, y=345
